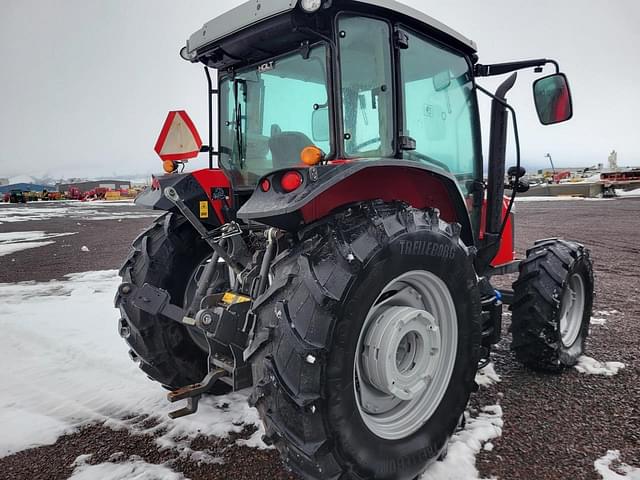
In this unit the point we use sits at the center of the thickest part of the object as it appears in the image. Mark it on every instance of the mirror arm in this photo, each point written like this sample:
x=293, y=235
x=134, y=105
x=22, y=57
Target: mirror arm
x=502, y=68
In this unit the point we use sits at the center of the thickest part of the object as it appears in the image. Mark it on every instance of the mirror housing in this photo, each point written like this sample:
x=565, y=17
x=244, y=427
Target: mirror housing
x=552, y=97
x=320, y=124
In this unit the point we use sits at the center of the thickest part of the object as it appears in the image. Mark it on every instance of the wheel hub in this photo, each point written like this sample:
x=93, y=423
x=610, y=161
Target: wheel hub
x=398, y=350
x=405, y=355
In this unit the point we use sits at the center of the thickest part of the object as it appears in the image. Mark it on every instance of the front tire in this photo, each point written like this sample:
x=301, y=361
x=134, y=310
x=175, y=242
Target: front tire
x=319, y=335
x=553, y=300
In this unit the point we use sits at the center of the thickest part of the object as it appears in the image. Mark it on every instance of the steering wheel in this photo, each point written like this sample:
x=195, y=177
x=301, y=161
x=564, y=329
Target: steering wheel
x=367, y=143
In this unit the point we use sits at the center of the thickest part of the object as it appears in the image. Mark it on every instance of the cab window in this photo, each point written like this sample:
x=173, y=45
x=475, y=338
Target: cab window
x=367, y=96
x=439, y=108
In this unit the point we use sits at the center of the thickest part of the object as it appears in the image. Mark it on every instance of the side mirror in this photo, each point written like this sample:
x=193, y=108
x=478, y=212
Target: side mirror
x=553, y=99
x=320, y=124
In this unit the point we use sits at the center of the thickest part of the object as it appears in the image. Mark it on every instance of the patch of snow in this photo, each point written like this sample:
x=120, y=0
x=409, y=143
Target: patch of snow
x=12, y=242
x=134, y=469
x=606, y=313
x=84, y=248
x=204, y=458
x=69, y=367
x=591, y=366
x=487, y=376
x=96, y=210
x=460, y=463
x=628, y=193
x=8, y=249
x=603, y=467
x=26, y=429
x=548, y=199
x=598, y=321
x=13, y=237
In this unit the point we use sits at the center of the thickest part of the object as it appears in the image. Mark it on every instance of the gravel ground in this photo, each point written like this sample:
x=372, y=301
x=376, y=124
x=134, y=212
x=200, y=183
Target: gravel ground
x=108, y=241
x=556, y=426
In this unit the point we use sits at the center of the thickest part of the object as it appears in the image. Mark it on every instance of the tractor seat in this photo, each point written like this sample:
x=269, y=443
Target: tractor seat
x=286, y=147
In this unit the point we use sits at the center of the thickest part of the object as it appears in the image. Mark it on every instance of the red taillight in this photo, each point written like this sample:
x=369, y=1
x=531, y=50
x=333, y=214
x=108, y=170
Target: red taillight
x=265, y=185
x=291, y=181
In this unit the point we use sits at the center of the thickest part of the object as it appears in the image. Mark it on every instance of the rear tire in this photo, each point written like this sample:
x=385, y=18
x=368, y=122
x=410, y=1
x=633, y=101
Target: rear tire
x=553, y=300
x=165, y=256
x=309, y=325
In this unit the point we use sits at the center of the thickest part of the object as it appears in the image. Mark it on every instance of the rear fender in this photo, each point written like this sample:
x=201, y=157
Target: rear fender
x=329, y=187
x=205, y=192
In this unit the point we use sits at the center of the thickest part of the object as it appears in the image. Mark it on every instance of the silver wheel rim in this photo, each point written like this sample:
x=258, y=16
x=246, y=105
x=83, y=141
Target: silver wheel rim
x=405, y=355
x=572, y=310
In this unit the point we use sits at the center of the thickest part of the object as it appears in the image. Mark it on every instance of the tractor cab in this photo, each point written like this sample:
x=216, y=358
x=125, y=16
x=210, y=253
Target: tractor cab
x=354, y=80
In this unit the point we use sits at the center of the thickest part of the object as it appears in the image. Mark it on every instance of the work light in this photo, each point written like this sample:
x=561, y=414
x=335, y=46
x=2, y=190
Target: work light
x=310, y=6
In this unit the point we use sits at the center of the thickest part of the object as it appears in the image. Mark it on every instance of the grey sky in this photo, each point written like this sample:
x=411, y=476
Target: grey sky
x=85, y=85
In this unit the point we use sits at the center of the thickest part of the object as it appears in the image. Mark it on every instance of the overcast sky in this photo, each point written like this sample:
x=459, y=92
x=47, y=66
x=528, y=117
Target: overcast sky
x=85, y=85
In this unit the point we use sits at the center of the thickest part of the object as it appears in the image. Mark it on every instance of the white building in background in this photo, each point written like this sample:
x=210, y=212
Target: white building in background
x=613, y=160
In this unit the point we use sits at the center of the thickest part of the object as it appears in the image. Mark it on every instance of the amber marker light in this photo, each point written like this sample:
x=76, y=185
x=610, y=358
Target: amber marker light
x=311, y=155
x=169, y=166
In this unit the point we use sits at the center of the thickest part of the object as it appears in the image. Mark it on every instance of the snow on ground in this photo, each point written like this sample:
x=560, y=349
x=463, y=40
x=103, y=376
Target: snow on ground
x=628, y=193
x=601, y=316
x=96, y=210
x=13, y=242
x=547, y=199
x=64, y=366
x=8, y=249
x=460, y=463
x=134, y=469
x=622, y=471
x=487, y=376
x=591, y=366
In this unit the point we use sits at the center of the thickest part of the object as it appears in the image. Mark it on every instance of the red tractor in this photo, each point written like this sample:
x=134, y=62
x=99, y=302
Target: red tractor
x=338, y=263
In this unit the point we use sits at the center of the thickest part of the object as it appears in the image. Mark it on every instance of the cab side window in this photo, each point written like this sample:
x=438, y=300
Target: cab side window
x=365, y=52
x=438, y=105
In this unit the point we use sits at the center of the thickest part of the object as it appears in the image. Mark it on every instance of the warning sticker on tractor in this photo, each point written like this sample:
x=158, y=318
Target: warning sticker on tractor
x=204, y=209
x=231, y=298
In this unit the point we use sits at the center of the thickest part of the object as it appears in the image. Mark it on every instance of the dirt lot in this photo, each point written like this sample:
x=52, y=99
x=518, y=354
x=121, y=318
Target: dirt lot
x=555, y=427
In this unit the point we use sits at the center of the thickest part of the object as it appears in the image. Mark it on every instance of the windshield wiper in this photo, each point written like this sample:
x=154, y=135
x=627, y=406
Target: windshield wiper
x=238, y=121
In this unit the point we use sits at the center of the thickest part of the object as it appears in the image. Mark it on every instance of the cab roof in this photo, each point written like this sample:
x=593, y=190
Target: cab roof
x=254, y=12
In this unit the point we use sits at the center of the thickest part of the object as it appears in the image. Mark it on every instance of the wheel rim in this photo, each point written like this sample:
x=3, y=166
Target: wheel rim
x=572, y=310
x=405, y=355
